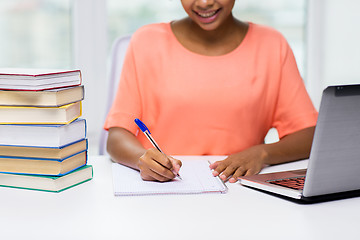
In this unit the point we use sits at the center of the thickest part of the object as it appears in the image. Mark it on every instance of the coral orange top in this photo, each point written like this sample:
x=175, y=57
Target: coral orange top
x=210, y=105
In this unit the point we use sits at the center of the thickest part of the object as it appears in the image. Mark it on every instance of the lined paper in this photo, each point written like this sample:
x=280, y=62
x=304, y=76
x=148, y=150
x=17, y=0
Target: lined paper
x=196, y=176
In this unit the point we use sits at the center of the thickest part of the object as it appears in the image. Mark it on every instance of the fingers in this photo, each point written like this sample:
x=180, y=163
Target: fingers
x=223, y=169
x=231, y=169
x=227, y=172
x=153, y=176
x=238, y=173
x=216, y=168
x=251, y=172
x=155, y=166
x=176, y=164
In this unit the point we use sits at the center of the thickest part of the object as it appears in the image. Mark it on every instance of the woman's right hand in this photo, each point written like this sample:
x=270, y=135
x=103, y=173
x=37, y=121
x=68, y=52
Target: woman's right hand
x=156, y=166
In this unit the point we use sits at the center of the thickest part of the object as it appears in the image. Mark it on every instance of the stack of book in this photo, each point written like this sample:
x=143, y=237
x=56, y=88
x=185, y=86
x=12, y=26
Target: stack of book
x=43, y=143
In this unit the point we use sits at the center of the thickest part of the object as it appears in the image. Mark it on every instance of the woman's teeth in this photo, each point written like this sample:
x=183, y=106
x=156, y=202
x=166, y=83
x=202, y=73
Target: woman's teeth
x=207, y=15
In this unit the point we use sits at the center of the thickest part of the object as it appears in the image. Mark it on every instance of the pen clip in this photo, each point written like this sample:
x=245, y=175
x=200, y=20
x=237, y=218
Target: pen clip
x=141, y=125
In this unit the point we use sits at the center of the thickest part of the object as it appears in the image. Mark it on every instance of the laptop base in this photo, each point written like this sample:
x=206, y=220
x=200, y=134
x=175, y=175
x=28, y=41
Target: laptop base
x=315, y=199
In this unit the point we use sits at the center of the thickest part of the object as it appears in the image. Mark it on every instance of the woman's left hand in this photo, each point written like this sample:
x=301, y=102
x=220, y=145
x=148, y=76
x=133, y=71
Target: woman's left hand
x=247, y=162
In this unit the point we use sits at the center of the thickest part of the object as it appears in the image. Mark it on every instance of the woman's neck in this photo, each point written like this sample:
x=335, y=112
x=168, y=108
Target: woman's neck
x=217, y=42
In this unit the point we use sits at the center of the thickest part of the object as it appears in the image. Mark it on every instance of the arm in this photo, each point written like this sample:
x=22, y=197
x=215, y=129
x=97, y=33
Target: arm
x=124, y=148
x=292, y=147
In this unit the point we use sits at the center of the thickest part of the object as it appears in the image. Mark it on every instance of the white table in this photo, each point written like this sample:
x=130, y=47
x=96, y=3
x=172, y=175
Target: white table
x=90, y=211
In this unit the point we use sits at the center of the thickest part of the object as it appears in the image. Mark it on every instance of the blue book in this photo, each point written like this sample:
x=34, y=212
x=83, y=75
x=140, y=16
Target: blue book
x=42, y=135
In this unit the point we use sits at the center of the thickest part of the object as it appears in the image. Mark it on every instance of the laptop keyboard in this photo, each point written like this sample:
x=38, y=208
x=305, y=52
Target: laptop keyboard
x=293, y=183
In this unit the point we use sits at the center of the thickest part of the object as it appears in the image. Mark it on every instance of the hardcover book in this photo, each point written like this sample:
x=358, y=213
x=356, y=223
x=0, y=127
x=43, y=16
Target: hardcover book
x=46, y=135
x=38, y=79
x=47, y=183
x=47, y=98
x=40, y=115
x=42, y=166
x=56, y=153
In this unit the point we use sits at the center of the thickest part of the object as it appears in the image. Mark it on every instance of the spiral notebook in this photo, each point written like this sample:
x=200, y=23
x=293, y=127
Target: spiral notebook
x=196, y=177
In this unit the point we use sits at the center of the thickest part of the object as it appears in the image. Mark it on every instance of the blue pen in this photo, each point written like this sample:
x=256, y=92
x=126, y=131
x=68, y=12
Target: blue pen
x=147, y=133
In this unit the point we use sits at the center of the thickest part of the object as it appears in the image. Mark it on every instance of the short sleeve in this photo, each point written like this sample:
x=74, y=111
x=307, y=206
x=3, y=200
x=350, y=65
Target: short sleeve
x=294, y=110
x=126, y=106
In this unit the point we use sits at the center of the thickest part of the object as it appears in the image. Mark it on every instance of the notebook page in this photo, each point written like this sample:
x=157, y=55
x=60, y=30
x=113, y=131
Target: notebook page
x=196, y=178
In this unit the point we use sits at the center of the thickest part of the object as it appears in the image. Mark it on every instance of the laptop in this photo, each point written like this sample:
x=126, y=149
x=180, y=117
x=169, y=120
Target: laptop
x=333, y=171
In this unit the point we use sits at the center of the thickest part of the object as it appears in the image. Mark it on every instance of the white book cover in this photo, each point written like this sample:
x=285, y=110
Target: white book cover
x=38, y=79
x=45, y=135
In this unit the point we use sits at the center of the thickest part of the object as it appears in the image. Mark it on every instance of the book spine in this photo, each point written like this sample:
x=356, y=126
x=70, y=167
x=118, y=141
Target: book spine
x=42, y=159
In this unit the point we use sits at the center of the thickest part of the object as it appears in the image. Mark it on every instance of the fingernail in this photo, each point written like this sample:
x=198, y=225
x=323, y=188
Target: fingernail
x=232, y=180
x=215, y=173
x=223, y=177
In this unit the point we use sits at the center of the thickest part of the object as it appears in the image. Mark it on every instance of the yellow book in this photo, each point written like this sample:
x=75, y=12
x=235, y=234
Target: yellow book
x=43, y=166
x=46, y=98
x=40, y=115
x=43, y=152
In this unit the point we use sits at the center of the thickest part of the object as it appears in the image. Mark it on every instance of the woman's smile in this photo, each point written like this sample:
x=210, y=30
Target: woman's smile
x=207, y=16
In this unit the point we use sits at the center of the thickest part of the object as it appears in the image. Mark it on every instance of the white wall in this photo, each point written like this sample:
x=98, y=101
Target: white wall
x=333, y=55
x=90, y=54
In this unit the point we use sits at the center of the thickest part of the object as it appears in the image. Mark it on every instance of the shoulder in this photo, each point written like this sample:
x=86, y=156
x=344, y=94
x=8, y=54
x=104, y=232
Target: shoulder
x=266, y=33
x=268, y=40
x=152, y=33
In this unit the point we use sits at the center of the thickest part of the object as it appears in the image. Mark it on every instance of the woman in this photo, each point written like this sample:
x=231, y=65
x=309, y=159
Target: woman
x=209, y=84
